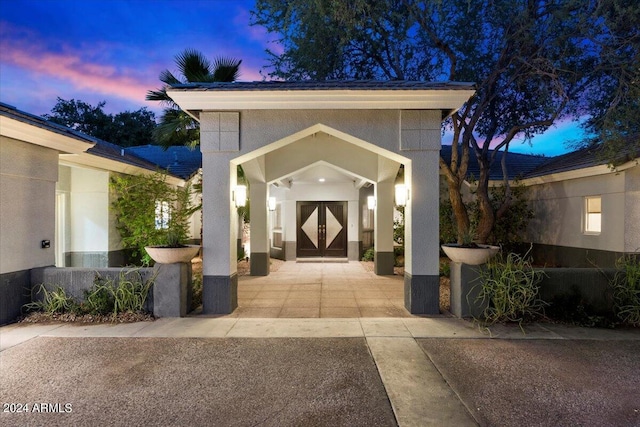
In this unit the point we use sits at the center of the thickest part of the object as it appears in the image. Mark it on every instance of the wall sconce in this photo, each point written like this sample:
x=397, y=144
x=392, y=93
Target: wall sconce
x=402, y=195
x=271, y=204
x=371, y=202
x=240, y=195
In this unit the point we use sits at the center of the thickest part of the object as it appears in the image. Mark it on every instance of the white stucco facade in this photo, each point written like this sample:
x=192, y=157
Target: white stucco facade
x=286, y=141
x=28, y=175
x=558, y=202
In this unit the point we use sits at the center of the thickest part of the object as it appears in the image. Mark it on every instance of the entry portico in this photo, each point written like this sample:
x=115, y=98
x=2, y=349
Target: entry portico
x=285, y=135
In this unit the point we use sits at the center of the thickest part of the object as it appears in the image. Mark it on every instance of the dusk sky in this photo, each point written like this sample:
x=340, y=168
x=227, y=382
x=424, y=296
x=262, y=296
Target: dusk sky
x=113, y=51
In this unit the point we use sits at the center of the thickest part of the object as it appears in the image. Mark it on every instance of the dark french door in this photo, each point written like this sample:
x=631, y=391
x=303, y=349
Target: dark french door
x=321, y=229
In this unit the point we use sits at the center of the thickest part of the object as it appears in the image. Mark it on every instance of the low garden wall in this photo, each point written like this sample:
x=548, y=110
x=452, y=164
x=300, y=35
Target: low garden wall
x=563, y=288
x=589, y=285
x=75, y=280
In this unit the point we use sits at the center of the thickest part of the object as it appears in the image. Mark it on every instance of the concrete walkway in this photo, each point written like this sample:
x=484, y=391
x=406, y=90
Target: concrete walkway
x=410, y=355
x=327, y=290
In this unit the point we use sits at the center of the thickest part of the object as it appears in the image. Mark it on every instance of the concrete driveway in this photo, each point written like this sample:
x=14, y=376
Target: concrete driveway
x=316, y=372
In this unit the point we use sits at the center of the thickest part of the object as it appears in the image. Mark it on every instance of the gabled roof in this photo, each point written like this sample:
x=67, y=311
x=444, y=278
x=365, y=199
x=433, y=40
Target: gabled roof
x=11, y=111
x=115, y=152
x=580, y=159
x=36, y=130
x=178, y=160
x=518, y=165
x=526, y=166
x=94, y=146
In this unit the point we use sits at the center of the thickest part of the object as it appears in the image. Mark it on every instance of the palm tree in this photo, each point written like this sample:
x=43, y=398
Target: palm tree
x=177, y=127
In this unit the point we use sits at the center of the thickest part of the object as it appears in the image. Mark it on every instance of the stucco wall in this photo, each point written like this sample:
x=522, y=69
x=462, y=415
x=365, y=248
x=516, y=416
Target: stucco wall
x=559, y=212
x=378, y=127
x=407, y=137
x=28, y=174
x=632, y=210
x=89, y=210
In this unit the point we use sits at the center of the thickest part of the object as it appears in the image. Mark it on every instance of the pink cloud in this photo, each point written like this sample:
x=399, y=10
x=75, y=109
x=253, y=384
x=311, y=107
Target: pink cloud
x=81, y=74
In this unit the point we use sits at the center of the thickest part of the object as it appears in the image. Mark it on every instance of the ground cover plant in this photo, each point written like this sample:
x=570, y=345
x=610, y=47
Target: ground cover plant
x=108, y=299
x=626, y=290
x=508, y=289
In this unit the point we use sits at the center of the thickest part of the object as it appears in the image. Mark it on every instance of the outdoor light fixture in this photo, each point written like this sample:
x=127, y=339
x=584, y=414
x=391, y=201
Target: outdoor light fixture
x=240, y=195
x=271, y=203
x=371, y=202
x=402, y=195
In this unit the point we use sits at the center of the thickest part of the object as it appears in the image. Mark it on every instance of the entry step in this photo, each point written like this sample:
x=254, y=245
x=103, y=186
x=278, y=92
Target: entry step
x=323, y=259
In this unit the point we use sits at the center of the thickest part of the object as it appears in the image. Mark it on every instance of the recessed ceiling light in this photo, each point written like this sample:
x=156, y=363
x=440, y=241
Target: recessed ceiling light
x=321, y=179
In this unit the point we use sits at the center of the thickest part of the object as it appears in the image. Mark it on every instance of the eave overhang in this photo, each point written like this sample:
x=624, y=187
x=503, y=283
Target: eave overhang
x=197, y=98
x=22, y=131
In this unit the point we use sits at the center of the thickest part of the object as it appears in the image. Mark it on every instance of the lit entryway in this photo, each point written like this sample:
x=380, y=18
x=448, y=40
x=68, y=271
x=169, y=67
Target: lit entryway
x=325, y=290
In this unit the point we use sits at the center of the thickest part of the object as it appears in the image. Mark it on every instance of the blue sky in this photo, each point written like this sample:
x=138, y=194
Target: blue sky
x=114, y=50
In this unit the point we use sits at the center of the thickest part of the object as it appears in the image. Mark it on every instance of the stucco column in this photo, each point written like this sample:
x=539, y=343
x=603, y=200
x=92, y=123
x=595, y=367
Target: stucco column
x=384, y=258
x=259, y=229
x=220, y=221
x=421, y=279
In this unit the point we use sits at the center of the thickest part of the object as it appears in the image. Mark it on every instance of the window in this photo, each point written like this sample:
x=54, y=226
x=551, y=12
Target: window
x=163, y=214
x=593, y=215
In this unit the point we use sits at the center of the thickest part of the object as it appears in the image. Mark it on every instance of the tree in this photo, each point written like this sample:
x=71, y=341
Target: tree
x=527, y=59
x=127, y=129
x=615, y=106
x=136, y=209
x=177, y=127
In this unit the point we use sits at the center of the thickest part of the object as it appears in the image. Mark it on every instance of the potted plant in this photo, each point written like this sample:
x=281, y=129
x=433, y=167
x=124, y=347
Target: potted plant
x=173, y=250
x=468, y=251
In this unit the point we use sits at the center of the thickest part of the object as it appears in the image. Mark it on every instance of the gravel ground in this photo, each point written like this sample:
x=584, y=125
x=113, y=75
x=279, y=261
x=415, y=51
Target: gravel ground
x=197, y=382
x=543, y=382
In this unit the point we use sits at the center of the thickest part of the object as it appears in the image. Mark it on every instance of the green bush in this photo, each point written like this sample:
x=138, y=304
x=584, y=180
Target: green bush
x=53, y=302
x=368, y=255
x=135, y=210
x=196, y=299
x=98, y=300
x=445, y=268
x=626, y=290
x=507, y=230
x=104, y=298
x=509, y=290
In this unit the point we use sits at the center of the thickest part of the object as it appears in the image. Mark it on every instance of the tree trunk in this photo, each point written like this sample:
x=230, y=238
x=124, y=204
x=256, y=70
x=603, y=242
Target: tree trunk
x=459, y=209
x=487, y=216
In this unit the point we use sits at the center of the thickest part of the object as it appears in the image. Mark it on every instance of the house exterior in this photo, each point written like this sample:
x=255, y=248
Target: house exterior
x=311, y=151
x=586, y=214
x=55, y=201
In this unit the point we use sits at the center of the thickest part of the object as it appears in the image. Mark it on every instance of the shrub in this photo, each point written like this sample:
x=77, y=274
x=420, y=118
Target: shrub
x=509, y=290
x=129, y=295
x=196, y=299
x=52, y=302
x=626, y=290
x=105, y=297
x=135, y=210
x=368, y=255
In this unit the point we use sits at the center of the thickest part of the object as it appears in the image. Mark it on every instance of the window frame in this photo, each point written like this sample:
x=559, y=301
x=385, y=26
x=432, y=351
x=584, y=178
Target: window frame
x=589, y=228
x=162, y=214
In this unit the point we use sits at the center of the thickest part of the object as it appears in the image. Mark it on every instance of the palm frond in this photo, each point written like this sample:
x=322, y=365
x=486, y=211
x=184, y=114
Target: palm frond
x=177, y=128
x=193, y=65
x=160, y=95
x=167, y=77
x=226, y=69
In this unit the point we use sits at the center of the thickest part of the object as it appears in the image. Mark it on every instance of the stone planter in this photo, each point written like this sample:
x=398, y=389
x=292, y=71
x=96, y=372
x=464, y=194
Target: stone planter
x=470, y=256
x=165, y=255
